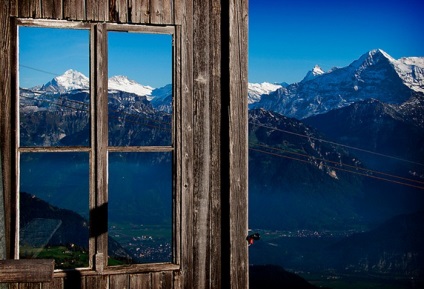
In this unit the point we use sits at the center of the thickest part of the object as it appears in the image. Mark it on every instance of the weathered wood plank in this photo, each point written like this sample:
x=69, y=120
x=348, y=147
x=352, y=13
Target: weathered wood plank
x=51, y=9
x=154, y=29
x=168, y=280
x=26, y=270
x=118, y=11
x=13, y=7
x=97, y=10
x=176, y=253
x=74, y=9
x=98, y=215
x=24, y=8
x=101, y=113
x=97, y=282
x=162, y=280
x=161, y=11
x=179, y=10
x=216, y=135
x=187, y=143
x=156, y=10
x=54, y=24
x=56, y=283
x=238, y=142
x=167, y=14
x=202, y=111
x=187, y=229
x=29, y=285
x=139, y=11
x=202, y=138
x=140, y=281
x=9, y=92
x=29, y=8
x=119, y=281
x=5, y=91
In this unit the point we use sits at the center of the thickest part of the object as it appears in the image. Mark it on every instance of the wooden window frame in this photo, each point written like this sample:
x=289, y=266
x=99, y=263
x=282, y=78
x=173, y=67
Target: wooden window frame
x=99, y=148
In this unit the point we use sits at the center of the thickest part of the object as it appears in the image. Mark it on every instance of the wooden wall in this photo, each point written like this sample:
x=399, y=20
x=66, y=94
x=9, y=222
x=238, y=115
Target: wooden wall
x=213, y=251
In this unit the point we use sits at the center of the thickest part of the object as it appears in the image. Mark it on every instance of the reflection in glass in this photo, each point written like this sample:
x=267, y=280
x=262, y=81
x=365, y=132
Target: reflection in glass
x=140, y=113
x=140, y=207
x=53, y=95
x=54, y=195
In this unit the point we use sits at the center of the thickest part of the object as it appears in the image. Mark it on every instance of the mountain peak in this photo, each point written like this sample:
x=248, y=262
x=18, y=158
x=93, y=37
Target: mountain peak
x=372, y=57
x=123, y=83
x=316, y=71
x=121, y=79
x=69, y=80
x=258, y=89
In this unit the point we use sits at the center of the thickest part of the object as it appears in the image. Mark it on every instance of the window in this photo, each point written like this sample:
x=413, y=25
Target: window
x=95, y=145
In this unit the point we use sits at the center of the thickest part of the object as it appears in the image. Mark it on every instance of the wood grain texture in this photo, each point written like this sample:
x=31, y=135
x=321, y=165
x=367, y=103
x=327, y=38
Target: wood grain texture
x=140, y=281
x=238, y=141
x=51, y=9
x=9, y=154
x=74, y=9
x=96, y=282
x=216, y=199
x=187, y=144
x=139, y=11
x=177, y=156
x=202, y=111
x=97, y=10
x=5, y=125
x=100, y=143
x=119, y=281
x=26, y=270
x=162, y=280
x=118, y=11
x=156, y=11
x=29, y=285
x=29, y=8
x=178, y=11
x=56, y=283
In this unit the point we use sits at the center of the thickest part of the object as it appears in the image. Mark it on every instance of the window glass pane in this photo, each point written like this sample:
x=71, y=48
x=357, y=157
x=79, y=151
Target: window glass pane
x=53, y=87
x=140, y=207
x=54, y=210
x=140, y=89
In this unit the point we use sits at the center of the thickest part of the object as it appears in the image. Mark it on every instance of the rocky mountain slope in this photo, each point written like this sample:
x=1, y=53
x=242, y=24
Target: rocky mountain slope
x=374, y=75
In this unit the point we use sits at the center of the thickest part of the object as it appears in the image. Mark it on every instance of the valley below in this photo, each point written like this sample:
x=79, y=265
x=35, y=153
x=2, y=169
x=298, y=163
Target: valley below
x=308, y=254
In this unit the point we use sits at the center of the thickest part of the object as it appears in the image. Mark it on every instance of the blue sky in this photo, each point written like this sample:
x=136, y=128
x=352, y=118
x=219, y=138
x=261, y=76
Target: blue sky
x=45, y=53
x=286, y=39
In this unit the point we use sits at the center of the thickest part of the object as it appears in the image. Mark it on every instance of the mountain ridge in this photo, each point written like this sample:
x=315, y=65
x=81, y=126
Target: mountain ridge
x=374, y=75
x=74, y=80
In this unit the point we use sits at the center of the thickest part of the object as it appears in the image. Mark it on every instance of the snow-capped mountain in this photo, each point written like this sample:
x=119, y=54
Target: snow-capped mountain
x=374, y=75
x=75, y=80
x=411, y=70
x=68, y=81
x=256, y=90
x=123, y=83
x=313, y=73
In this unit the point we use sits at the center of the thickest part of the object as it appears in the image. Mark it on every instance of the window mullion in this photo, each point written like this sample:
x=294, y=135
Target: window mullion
x=98, y=74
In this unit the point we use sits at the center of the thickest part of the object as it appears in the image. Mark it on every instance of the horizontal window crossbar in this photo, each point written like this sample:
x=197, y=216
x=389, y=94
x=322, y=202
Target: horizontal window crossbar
x=54, y=149
x=141, y=149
